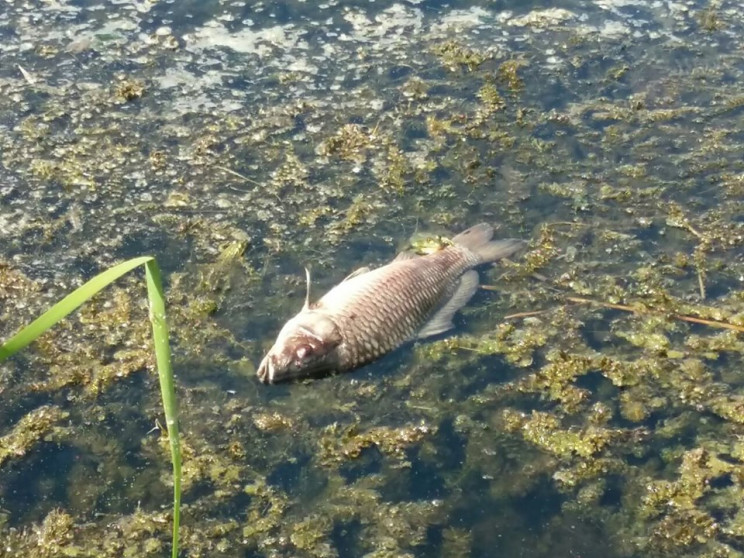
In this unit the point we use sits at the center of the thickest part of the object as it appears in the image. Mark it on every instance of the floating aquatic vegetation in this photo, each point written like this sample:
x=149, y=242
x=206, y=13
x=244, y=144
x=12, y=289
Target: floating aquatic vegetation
x=242, y=150
x=36, y=426
x=455, y=56
x=339, y=444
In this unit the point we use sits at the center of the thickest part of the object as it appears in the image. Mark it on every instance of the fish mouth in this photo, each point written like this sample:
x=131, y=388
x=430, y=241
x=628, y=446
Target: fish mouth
x=265, y=370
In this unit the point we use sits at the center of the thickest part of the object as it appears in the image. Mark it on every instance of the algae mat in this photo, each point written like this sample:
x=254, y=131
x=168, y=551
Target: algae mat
x=589, y=403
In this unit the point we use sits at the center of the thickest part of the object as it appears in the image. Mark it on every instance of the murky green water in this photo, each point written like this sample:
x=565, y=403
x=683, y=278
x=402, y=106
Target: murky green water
x=578, y=410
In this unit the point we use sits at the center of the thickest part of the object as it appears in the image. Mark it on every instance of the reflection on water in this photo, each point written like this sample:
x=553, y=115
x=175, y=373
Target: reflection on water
x=589, y=401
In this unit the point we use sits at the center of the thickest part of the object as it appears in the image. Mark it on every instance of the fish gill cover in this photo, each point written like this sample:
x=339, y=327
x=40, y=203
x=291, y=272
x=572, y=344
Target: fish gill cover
x=239, y=142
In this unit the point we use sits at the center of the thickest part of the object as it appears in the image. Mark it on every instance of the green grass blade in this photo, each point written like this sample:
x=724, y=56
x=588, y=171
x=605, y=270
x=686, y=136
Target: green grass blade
x=167, y=389
x=65, y=306
x=156, y=301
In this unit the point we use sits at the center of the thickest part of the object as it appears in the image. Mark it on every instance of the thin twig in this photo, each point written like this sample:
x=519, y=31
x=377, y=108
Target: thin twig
x=234, y=173
x=713, y=323
x=28, y=76
x=600, y=303
x=681, y=317
x=242, y=176
x=566, y=224
x=626, y=308
x=693, y=230
x=701, y=284
x=489, y=288
x=524, y=314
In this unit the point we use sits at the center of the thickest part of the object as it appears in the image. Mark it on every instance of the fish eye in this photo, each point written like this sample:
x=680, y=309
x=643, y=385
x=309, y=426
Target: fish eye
x=304, y=351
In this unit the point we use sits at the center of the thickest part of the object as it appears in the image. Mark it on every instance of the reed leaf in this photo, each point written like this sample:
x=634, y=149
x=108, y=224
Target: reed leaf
x=156, y=300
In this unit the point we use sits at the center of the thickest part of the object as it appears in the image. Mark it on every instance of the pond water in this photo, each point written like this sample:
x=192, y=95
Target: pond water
x=589, y=402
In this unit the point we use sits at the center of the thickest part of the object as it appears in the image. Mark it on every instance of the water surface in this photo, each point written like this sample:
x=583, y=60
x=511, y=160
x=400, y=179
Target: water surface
x=576, y=410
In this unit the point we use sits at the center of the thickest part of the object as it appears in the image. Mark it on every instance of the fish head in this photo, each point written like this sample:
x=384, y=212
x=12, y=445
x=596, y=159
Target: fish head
x=305, y=347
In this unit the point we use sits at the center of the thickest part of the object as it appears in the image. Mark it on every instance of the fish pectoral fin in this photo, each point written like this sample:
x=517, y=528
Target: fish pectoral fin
x=441, y=321
x=357, y=272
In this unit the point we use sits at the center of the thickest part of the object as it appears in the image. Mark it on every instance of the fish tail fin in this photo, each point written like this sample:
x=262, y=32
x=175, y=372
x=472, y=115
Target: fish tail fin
x=477, y=239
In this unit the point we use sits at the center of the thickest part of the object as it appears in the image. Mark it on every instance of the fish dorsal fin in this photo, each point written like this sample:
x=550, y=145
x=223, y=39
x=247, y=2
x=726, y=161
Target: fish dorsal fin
x=441, y=321
x=308, y=280
x=356, y=273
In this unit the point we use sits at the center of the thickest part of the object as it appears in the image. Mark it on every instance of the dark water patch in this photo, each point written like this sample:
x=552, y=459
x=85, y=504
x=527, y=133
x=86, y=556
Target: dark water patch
x=476, y=504
x=539, y=504
x=530, y=518
x=433, y=542
x=415, y=131
x=614, y=488
x=170, y=253
x=399, y=73
x=649, y=234
x=198, y=491
x=721, y=289
x=186, y=15
x=721, y=481
x=598, y=385
x=734, y=542
x=555, y=95
x=596, y=332
x=288, y=476
x=368, y=463
x=20, y=401
x=428, y=472
x=490, y=371
x=728, y=458
x=205, y=375
x=36, y=486
x=345, y=538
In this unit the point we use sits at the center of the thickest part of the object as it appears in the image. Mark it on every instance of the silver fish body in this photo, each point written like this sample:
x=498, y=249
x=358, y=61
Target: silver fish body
x=372, y=312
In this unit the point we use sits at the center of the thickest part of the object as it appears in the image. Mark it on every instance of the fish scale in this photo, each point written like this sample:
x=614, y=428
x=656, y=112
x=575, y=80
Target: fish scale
x=384, y=311
x=372, y=312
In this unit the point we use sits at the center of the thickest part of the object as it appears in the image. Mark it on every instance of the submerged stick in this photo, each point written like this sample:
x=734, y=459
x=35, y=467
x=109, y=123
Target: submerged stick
x=626, y=308
x=681, y=317
x=524, y=314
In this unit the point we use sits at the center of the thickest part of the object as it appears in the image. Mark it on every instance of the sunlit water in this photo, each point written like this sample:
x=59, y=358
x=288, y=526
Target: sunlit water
x=239, y=142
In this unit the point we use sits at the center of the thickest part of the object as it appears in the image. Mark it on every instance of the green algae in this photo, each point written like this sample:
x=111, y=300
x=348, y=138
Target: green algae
x=456, y=56
x=491, y=98
x=128, y=89
x=628, y=189
x=508, y=73
x=338, y=445
x=349, y=142
x=34, y=427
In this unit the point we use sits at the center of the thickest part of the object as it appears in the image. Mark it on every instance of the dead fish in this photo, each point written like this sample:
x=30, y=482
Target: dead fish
x=374, y=311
